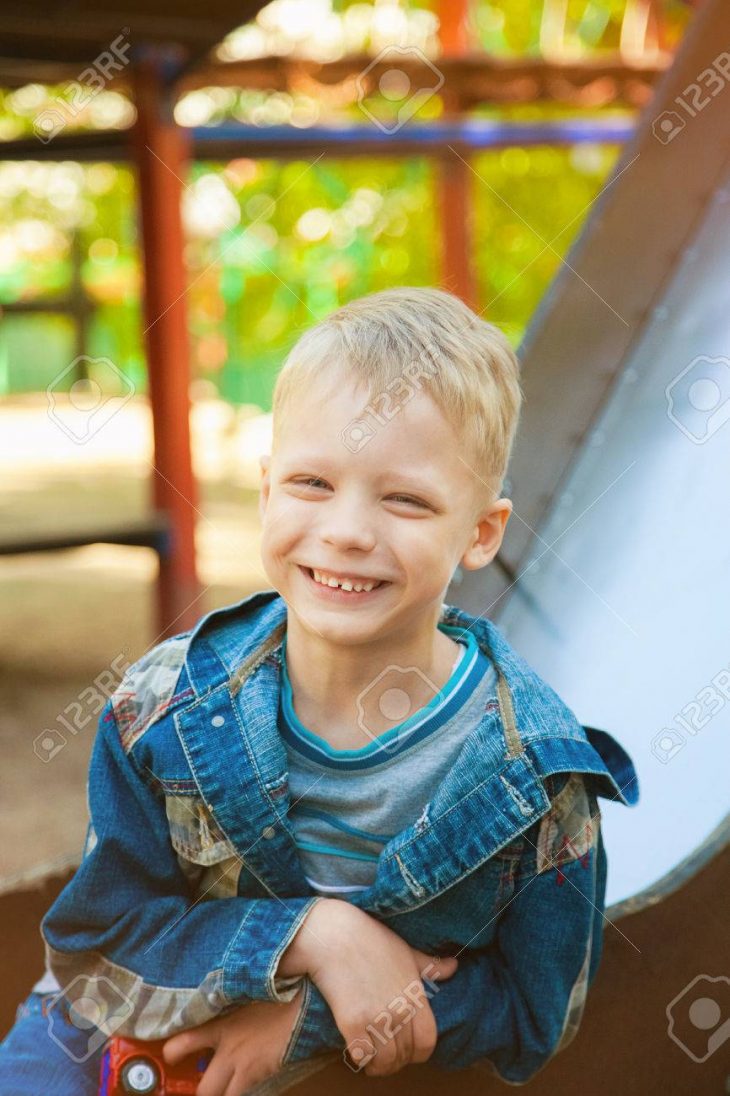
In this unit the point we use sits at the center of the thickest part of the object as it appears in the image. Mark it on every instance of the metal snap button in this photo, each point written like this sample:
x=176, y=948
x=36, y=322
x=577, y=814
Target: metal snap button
x=268, y=832
x=217, y=721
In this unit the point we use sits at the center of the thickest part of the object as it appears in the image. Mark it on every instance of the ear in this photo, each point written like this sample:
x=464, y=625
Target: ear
x=265, y=465
x=487, y=536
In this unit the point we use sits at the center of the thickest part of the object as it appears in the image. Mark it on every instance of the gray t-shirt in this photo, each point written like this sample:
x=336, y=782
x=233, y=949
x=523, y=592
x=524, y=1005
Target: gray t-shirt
x=346, y=804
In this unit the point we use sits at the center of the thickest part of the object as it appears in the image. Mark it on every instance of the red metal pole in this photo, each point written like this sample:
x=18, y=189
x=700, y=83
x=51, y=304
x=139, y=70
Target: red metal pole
x=452, y=27
x=454, y=195
x=161, y=152
x=454, y=179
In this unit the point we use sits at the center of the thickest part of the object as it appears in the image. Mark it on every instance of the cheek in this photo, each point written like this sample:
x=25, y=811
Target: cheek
x=422, y=548
x=282, y=527
x=429, y=553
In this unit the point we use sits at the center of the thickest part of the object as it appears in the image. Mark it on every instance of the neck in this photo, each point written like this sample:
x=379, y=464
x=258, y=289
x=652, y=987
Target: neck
x=350, y=693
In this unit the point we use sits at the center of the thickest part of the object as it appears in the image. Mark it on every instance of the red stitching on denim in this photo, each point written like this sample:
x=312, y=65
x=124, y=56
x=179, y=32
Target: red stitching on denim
x=124, y=710
x=566, y=843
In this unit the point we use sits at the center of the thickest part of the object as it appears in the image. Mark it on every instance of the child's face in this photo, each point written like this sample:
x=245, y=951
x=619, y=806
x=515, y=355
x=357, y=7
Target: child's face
x=403, y=510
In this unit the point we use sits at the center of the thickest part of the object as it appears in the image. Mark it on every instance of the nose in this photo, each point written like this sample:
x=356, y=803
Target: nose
x=346, y=524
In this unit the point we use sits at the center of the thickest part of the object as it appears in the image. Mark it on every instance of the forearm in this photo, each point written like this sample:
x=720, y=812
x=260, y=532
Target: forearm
x=518, y=1002
x=318, y=939
x=131, y=923
x=357, y=973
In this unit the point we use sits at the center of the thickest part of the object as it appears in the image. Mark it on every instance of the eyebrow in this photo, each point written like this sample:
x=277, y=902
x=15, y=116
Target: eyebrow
x=412, y=483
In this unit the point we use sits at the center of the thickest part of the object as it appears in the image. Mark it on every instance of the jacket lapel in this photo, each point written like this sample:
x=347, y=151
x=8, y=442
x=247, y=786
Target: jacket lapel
x=444, y=844
x=231, y=741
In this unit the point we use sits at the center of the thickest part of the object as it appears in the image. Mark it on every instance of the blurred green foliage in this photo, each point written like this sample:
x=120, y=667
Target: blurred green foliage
x=274, y=246
x=261, y=270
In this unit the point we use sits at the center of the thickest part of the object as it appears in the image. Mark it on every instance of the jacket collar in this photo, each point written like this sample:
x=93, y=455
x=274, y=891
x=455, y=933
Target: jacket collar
x=229, y=644
x=230, y=737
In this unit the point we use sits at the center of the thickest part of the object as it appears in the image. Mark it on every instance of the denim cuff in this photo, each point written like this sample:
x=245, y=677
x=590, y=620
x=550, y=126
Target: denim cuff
x=315, y=1030
x=249, y=966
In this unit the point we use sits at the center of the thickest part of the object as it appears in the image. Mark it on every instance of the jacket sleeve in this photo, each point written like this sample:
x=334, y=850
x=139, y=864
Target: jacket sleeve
x=128, y=935
x=512, y=1006
x=522, y=1000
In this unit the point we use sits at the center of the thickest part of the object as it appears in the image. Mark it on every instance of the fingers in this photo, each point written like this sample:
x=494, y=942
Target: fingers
x=385, y=1058
x=187, y=1042
x=217, y=1077
x=403, y=1043
x=398, y=1050
x=241, y=1082
x=425, y=1035
x=413, y=1038
x=433, y=967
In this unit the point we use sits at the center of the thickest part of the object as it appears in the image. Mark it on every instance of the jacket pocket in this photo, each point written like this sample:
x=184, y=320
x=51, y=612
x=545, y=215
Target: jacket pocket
x=193, y=831
x=207, y=858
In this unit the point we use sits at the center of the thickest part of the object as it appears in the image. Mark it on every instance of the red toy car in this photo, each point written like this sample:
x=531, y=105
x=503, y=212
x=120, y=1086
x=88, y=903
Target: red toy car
x=133, y=1066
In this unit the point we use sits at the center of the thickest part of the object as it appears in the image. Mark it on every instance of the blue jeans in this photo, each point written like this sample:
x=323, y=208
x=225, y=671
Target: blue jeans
x=45, y=1053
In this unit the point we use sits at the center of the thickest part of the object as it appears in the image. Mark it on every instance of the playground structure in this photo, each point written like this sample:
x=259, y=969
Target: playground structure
x=638, y=299
x=170, y=53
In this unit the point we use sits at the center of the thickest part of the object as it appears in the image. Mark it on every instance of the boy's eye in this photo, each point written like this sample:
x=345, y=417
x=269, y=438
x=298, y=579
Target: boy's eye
x=317, y=483
x=311, y=481
x=409, y=499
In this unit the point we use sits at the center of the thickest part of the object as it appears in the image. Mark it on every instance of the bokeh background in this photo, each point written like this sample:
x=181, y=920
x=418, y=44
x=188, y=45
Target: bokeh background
x=170, y=225
x=271, y=246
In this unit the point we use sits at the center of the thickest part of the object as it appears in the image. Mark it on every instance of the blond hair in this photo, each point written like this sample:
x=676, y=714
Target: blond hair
x=422, y=338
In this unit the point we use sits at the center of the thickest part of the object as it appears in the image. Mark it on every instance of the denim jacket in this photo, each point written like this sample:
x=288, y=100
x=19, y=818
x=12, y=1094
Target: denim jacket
x=190, y=887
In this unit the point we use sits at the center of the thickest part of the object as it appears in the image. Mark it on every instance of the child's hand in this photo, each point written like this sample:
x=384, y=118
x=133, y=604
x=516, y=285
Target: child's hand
x=372, y=981
x=248, y=1046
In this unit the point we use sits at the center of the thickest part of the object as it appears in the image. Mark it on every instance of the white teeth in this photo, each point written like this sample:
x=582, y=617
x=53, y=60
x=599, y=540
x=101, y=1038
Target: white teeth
x=344, y=584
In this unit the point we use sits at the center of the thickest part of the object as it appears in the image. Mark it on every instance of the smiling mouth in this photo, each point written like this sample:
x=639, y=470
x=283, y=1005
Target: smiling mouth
x=341, y=592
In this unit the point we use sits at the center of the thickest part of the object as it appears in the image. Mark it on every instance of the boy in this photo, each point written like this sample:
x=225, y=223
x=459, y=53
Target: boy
x=343, y=804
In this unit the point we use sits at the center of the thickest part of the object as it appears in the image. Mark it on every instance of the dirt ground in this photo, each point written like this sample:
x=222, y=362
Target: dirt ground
x=66, y=616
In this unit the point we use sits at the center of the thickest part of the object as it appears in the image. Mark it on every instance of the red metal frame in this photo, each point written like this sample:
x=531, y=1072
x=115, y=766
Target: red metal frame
x=161, y=153
x=458, y=275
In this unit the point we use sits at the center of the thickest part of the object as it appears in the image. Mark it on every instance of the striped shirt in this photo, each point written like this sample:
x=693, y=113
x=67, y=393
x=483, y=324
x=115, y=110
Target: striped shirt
x=347, y=804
